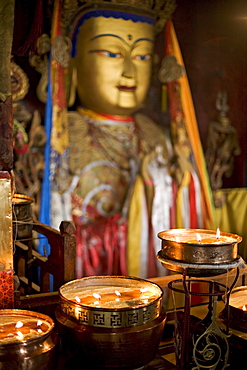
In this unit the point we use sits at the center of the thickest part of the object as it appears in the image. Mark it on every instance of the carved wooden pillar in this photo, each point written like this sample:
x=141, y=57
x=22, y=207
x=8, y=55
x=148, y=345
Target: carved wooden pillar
x=6, y=155
x=6, y=122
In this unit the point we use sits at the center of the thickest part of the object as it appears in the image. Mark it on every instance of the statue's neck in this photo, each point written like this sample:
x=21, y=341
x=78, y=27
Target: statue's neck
x=101, y=116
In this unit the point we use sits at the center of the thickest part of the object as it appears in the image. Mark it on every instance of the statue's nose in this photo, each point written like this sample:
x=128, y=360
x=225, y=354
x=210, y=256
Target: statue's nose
x=128, y=67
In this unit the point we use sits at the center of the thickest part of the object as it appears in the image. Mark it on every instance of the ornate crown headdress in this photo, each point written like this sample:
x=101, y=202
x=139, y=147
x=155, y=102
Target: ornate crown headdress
x=159, y=10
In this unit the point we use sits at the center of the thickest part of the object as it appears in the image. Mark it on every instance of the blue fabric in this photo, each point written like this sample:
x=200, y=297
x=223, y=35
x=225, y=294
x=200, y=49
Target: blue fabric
x=46, y=185
x=106, y=14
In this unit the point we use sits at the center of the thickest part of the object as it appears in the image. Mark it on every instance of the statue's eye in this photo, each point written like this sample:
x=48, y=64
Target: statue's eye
x=107, y=53
x=143, y=58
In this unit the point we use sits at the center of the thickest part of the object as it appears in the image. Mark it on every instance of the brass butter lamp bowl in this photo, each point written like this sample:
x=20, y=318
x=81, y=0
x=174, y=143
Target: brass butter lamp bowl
x=28, y=340
x=199, y=252
x=112, y=322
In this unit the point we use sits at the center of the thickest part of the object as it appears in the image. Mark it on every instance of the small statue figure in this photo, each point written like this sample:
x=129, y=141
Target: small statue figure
x=222, y=144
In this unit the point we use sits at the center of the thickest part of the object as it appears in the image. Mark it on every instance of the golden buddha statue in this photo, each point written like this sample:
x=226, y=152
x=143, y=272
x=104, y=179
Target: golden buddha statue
x=117, y=157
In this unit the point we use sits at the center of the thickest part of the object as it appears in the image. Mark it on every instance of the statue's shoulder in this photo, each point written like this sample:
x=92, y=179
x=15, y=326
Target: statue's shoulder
x=79, y=140
x=149, y=131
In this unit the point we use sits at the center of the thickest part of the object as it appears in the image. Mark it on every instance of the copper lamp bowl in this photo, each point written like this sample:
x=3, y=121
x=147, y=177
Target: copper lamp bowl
x=111, y=337
x=32, y=345
x=236, y=312
x=209, y=256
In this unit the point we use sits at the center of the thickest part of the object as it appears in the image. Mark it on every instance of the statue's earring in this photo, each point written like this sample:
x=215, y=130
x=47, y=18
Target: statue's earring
x=73, y=85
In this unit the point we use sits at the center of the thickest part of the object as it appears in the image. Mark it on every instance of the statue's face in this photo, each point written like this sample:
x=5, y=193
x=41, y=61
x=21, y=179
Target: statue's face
x=113, y=64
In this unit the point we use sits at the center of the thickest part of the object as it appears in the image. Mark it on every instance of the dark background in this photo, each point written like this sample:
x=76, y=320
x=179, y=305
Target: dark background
x=212, y=36
x=213, y=40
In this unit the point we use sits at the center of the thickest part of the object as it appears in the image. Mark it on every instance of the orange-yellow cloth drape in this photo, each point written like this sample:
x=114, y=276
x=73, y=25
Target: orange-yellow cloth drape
x=208, y=210
x=59, y=133
x=135, y=228
x=232, y=215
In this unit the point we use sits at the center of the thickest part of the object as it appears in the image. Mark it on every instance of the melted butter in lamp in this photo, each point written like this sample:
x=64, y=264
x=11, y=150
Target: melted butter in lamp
x=238, y=299
x=211, y=240
x=113, y=297
x=197, y=236
x=21, y=328
x=206, y=238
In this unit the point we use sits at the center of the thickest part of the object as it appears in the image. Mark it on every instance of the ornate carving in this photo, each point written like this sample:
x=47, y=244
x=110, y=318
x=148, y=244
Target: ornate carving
x=170, y=69
x=61, y=50
x=19, y=82
x=40, y=62
x=6, y=124
x=28, y=147
x=111, y=319
x=6, y=135
x=29, y=166
x=160, y=10
x=222, y=145
x=6, y=34
x=211, y=348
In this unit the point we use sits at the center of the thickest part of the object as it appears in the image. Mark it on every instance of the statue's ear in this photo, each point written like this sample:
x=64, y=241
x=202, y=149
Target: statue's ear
x=72, y=87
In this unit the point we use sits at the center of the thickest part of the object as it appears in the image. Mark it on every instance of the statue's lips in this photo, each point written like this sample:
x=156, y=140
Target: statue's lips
x=126, y=88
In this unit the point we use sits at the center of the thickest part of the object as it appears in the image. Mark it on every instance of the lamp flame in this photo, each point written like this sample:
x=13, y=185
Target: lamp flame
x=143, y=290
x=97, y=296
x=39, y=323
x=19, y=324
x=77, y=299
x=244, y=308
x=218, y=233
x=117, y=293
x=198, y=237
x=19, y=334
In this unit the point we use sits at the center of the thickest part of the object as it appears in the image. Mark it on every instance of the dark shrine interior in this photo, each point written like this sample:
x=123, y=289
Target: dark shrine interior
x=212, y=38
x=212, y=35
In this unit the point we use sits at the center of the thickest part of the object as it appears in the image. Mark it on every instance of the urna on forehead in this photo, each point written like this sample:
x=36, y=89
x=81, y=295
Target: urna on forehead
x=84, y=16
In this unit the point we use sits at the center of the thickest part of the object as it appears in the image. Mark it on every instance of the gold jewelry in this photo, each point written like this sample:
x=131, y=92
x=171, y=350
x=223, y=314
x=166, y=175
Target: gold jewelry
x=117, y=142
x=19, y=82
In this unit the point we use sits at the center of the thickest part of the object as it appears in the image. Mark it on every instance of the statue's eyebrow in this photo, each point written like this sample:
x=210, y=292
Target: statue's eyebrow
x=106, y=34
x=118, y=37
x=143, y=39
